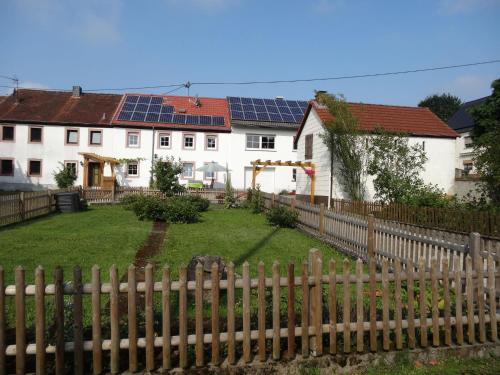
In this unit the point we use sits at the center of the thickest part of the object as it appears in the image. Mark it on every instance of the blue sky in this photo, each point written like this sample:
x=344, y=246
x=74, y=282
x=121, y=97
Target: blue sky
x=113, y=43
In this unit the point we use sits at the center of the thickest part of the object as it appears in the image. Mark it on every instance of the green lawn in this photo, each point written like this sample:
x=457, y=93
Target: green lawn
x=102, y=235
x=238, y=236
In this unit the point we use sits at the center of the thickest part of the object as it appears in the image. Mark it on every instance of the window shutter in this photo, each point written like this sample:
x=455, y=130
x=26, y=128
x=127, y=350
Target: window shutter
x=309, y=147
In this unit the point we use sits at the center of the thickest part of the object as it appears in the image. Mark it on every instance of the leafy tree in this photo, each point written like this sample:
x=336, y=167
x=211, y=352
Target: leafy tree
x=346, y=145
x=166, y=175
x=444, y=105
x=65, y=177
x=229, y=198
x=486, y=137
x=396, y=166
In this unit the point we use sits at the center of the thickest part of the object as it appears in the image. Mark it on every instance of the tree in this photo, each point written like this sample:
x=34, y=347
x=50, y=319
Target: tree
x=486, y=138
x=229, y=198
x=347, y=146
x=444, y=105
x=65, y=177
x=396, y=166
x=166, y=175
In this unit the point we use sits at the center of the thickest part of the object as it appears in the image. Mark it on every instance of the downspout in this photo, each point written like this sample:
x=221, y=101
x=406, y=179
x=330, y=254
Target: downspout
x=330, y=185
x=152, y=158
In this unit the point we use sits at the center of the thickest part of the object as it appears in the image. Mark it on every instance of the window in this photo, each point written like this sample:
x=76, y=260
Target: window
x=73, y=165
x=211, y=142
x=95, y=137
x=35, y=134
x=294, y=144
x=34, y=167
x=6, y=167
x=423, y=145
x=260, y=142
x=468, y=167
x=132, y=169
x=294, y=174
x=188, y=170
x=164, y=140
x=309, y=147
x=133, y=139
x=8, y=133
x=72, y=136
x=468, y=142
x=188, y=141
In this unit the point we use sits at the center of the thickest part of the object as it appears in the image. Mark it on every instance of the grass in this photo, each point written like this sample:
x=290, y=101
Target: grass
x=237, y=235
x=102, y=235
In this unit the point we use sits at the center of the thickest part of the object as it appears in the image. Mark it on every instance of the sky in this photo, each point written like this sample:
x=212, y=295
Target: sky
x=101, y=44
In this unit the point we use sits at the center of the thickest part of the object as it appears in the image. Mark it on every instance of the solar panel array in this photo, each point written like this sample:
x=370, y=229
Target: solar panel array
x=151, y=109
x=273, y=110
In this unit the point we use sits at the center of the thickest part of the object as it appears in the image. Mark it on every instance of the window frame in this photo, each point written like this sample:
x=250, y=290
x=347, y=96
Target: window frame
x=41, y=134
x=28, y=171
x=128, y=175
x=468, y=142
x=138, y=132
x=165, y=134
x=184, y=177
x=13, y=133
x=207, y=137
x=294, y=174
x=184, y=135
x=66, y=132
x=260, y=148
x=13, y=167
x=66, y=162
x=94, y=130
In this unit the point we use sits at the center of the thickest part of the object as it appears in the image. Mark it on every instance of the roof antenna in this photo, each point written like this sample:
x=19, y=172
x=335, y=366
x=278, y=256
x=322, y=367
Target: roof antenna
x=187, y=85
x=196, y=101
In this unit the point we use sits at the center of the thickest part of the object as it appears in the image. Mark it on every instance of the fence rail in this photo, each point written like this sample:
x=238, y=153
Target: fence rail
x=450, y=219
x=366, y=311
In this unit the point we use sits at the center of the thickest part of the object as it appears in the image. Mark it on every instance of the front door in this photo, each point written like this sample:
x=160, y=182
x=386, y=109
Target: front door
x=94, y=174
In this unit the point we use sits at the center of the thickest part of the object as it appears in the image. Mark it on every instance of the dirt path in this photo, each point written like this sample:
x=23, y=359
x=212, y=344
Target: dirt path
x=143, y=256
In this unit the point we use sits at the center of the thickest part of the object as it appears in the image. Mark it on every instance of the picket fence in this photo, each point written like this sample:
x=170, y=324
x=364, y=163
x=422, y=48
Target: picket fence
x=366, y=311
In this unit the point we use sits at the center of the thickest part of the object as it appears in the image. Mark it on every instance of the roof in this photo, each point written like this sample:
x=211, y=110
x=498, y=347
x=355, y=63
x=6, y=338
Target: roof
x=58, y=107
x=412, y=120
x=183, y=105
x=2, y=98
x=462, y=120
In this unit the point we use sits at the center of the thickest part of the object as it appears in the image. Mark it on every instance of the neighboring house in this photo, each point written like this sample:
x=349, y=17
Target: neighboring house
x=421, y=124
x=109, y=138
x=463, y=124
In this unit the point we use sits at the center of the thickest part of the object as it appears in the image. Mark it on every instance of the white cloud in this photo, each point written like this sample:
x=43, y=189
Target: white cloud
x=461, y=6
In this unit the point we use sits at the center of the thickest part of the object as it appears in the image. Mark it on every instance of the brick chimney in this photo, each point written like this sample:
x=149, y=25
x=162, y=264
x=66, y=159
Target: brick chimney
x=77, y=91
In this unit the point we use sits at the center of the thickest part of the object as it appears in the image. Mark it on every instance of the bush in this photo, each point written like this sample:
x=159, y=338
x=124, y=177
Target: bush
x=150, y=207
x=257, y=200
x=199, y=202
x=65, y=177
x=181, y=210
x=282, y=216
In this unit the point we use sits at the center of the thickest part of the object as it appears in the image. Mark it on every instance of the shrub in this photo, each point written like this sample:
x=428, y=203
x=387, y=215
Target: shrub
x=198, y=201
x=129, y=200
x=166, y=174
x=257, y=200
x=282, y=216
x=181, y=210
x=150, y=207
x=65, y=177
x=229, y=198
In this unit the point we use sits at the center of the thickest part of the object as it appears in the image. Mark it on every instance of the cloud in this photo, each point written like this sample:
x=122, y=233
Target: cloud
x=92, y=21
x=462, y=6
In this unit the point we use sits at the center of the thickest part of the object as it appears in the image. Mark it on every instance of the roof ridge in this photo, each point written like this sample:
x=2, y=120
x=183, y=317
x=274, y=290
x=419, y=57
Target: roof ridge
x=67, y=91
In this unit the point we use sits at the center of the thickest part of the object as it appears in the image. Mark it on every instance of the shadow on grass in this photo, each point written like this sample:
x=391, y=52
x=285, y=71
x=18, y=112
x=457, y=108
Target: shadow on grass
x=262, y=242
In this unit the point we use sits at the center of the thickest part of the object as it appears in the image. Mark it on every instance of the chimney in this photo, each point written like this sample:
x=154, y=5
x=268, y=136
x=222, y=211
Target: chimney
x=280, y=98
x=77, y=91
x=318, y=93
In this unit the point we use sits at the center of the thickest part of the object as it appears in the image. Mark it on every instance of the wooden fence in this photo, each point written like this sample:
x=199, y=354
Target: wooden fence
x=324, y=313
x=451, y=219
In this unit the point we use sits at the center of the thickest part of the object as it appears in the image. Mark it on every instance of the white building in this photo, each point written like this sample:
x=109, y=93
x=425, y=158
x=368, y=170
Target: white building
x=422, y=125
x=41, y=129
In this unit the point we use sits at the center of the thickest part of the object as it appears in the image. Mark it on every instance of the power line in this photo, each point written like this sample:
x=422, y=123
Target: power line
x=171, y=91
x=350, y=76
x=138, y=88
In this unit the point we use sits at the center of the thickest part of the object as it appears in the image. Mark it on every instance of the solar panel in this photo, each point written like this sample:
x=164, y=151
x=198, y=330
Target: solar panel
x=276, y=110
x=150, y=108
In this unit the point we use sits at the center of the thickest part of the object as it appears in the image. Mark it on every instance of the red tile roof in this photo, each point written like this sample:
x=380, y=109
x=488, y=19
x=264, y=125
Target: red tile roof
x=58, y=107
x=2, y=98
x=208, y=107
x=412, y=120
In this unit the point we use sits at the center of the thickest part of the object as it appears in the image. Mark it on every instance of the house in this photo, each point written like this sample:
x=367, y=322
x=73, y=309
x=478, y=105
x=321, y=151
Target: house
x=463, y=124
x=110, y=138
x=421, y=124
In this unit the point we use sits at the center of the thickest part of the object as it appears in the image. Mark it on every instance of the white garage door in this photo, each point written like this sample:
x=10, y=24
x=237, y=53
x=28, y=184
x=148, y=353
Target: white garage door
x=265, y=178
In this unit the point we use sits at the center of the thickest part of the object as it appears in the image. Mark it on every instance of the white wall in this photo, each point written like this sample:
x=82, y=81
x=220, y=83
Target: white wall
x=439, y=169
x=231, y=149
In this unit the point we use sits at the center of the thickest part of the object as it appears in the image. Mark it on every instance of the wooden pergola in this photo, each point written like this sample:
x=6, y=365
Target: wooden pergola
x=308, y=167
x=106, y=181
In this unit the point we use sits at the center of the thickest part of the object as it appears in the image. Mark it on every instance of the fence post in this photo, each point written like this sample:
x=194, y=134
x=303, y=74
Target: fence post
x=21, y=205
x=315, y=290
x=371, y=237
x=113, y=193
x=321, y=219
x=273, y=199
x=292, y=203
x=474, y=248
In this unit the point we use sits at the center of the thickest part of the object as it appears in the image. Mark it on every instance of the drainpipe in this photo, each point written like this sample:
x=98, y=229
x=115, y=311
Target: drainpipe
x=152, y=158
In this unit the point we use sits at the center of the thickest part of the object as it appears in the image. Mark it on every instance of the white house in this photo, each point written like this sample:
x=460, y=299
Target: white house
x=421, y=124
x=92, y=132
